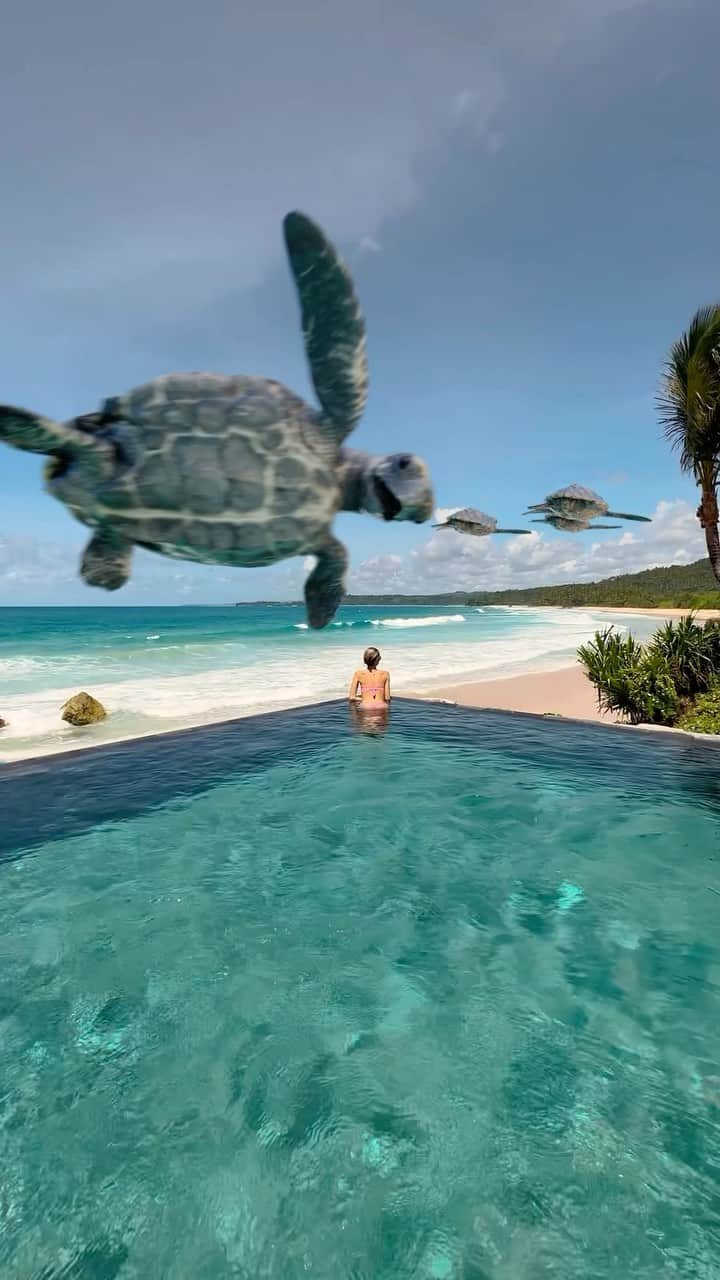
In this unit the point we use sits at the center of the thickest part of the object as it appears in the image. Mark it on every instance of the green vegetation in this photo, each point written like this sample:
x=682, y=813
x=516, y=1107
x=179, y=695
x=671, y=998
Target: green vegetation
x=690, y=414
x=630, y=681
x=680, y=586
x=675, y=680
x=704, y=714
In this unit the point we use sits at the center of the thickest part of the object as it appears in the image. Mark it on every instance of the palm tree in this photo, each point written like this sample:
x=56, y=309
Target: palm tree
x=690, y=413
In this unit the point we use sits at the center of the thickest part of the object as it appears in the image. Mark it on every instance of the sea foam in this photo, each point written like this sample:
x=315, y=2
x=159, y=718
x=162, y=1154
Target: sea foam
x=434, y=620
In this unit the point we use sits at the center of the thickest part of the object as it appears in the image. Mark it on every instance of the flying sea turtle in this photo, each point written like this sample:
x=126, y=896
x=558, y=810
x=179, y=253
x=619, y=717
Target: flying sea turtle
x=234, y=470
x=566, y=525
x=575, y=502
x=474, y=522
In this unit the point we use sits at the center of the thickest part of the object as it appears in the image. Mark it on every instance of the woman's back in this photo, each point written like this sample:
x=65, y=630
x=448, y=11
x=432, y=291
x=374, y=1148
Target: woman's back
x=370, y=687
x=373, y=685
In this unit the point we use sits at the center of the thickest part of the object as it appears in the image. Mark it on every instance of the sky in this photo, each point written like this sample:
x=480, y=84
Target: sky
x=527, y=196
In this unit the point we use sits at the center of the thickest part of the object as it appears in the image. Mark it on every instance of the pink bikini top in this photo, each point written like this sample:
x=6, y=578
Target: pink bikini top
x=373, y=690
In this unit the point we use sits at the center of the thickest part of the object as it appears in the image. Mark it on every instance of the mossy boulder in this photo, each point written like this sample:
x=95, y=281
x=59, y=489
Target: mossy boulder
x=83, y=709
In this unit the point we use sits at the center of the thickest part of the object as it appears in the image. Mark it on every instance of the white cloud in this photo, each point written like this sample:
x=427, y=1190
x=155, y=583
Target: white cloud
x=449, y=561
x=36, y=570
x=27, y=561
x=31, y=568
x=369, y=244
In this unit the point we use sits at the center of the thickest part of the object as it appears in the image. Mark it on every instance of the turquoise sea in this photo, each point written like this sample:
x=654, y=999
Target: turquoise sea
x=164, y=668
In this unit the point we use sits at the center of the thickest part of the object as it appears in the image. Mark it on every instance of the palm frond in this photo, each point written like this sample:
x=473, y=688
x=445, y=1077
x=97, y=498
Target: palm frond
x=689, y=401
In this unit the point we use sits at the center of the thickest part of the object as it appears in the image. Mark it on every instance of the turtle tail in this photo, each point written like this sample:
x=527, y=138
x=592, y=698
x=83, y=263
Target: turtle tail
x=35, y=434
x=29, y=431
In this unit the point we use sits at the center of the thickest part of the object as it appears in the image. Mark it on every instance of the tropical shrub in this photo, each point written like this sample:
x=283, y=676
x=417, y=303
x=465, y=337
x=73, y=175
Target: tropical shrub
x=688, y=651
x=712, y=635
x=631, y=681
x=675, y=680
x=703, y=715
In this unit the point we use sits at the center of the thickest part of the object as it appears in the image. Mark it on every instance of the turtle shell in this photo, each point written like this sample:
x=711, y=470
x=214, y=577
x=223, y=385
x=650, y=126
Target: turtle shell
x=215, y=468
x=576, y=500
x=471, y=520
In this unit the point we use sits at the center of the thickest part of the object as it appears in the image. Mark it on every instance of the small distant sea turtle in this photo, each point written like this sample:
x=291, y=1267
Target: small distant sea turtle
x=474, y=522
x=566, y=525
x=575, y=502
x=234, y=470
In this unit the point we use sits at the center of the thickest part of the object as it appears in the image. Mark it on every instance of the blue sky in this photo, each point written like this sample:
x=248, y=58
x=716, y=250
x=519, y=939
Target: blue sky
x=528, y=198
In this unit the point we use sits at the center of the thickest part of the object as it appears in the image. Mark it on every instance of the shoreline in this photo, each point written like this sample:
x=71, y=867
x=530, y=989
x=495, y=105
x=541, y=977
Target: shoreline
x=564, y=692
x=701, y=615
x=560, y=690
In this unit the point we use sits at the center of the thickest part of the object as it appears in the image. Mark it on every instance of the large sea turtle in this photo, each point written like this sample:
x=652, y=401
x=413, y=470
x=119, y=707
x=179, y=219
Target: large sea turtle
x=234, y=470
x=476, y=523
x=575, y=502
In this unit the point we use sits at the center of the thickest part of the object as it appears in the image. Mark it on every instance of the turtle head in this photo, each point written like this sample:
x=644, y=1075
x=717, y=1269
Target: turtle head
x=398, y=487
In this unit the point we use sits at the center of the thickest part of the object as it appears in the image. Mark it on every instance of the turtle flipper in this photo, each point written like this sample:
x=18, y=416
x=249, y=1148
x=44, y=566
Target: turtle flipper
x=106, y=560
x=514, y=531
x=623, y=515
x=333, y=325
x=325, y=588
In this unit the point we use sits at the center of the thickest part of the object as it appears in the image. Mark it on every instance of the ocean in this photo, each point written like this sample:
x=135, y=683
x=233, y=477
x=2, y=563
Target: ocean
x=167, y=668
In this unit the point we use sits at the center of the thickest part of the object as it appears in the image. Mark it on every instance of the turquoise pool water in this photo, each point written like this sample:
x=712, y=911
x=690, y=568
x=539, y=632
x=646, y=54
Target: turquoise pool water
x=287, y=1000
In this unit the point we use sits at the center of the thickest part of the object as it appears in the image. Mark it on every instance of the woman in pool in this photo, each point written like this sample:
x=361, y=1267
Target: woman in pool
x=370, y=689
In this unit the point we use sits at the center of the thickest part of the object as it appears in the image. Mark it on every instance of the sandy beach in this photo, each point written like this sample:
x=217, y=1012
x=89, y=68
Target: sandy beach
x=567, y=693
x=701, y=615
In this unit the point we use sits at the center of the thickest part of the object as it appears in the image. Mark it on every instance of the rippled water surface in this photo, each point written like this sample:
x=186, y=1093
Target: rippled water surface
x=440, y=1003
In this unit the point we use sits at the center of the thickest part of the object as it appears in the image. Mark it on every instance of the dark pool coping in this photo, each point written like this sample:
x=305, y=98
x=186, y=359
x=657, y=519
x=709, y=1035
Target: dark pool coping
x=666, y=730
x=162, y=735
x=165, y=735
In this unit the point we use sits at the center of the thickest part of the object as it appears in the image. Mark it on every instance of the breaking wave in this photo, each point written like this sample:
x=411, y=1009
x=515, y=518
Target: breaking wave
x=434, y=620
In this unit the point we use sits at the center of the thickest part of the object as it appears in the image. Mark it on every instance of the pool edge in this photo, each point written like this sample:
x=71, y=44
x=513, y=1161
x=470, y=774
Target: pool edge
x=169, y=735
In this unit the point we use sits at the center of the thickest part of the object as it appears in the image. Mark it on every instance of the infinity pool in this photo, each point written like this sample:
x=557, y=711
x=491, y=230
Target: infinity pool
x=280, y=999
